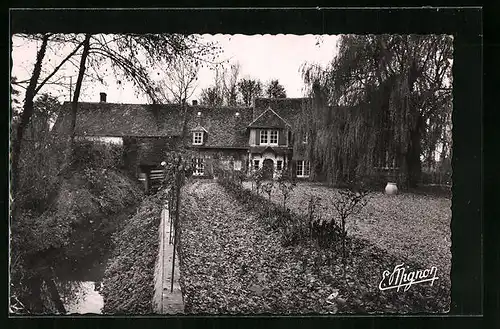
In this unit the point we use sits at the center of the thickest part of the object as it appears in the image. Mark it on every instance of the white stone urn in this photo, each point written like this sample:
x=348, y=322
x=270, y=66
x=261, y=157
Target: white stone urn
x=391, y=188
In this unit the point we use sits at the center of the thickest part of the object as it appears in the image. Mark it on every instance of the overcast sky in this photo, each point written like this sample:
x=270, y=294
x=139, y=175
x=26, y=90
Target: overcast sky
x=261, y=57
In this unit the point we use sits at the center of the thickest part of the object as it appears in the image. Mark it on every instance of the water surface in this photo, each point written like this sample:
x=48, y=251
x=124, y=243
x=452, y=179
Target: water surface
x=83, y=297
x=80, y=286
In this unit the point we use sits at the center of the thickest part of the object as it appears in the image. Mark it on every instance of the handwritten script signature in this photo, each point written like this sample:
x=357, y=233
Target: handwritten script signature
x=399, y=278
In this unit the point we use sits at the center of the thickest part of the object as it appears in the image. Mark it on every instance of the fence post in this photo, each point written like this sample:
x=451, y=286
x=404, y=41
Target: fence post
x=171, y=201
x=176, y=223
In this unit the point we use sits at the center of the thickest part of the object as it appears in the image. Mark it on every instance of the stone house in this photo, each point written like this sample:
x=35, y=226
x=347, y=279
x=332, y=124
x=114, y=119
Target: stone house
x=245, y=138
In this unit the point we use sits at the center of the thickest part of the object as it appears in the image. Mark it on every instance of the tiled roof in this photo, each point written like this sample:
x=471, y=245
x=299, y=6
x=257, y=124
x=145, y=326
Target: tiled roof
x=199, y=128
x=287, y=108
x=269, y=119
x=110, y=119
x=224, y=127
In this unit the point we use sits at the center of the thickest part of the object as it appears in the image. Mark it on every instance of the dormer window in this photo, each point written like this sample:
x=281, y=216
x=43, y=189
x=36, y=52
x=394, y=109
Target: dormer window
x=198, y=138
x=268, y=137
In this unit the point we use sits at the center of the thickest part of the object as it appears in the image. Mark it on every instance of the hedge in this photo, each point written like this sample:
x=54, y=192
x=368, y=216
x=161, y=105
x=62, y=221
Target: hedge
x=129, y=276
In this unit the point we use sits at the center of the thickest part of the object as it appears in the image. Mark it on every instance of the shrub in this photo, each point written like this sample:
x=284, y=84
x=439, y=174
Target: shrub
x=347, y=203
x=286, y=184
x=239, y=177
x=267, y=188
x=292, y=227
x=38, y=168
x=325, y=232
x=128, y=280
x=97, y=155
x=257, y=177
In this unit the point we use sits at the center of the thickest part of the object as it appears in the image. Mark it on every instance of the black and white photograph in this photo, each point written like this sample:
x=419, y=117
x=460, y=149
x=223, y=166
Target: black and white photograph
x=230, y=174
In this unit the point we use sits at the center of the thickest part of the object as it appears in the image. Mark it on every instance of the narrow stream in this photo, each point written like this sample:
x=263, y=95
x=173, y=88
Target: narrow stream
x=84, y=298
x=80, y=287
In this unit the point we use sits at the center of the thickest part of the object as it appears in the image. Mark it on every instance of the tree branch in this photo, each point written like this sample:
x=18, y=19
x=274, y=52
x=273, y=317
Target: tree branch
x=58, y=67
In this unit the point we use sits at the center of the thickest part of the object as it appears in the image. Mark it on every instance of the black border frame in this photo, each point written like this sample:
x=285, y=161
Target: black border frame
x=466, y=26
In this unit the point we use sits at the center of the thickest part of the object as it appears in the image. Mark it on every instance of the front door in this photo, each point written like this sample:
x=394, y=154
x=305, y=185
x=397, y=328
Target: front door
x=268, y=168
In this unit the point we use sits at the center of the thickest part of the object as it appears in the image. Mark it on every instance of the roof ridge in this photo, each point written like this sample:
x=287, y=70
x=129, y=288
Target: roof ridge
x=112, y=103
x=235, y=107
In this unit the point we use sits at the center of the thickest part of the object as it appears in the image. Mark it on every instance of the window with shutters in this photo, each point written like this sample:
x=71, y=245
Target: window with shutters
x=273, y=140
x=263, y=137
x=279, y=165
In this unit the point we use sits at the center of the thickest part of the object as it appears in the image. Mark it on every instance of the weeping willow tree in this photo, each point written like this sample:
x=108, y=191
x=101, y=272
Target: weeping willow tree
x=382, y=105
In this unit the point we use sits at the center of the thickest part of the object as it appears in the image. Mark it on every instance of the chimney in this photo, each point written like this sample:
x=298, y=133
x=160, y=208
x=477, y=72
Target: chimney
x=195, y=102
x=103, y=97
x=198, y=118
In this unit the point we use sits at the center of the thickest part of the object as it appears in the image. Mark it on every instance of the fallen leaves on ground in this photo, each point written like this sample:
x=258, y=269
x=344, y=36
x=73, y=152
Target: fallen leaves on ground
x=232, y=263
x=411, y=227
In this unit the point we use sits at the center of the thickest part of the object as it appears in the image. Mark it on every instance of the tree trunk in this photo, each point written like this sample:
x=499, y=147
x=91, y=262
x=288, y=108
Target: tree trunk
x=414, y=164
x=74, y=102
x=54, y=295
x=26, y=115
x=184, y=121
x=344, y=257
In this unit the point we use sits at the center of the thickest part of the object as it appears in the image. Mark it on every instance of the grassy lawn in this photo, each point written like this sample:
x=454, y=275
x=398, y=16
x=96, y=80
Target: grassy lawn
x=408, y=226
x=233, y=263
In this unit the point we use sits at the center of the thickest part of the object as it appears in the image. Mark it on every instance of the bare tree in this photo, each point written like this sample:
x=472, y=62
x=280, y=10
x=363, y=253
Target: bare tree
x=224, y=90
x=180, y=80
x=230, y=84
x=78, y=86
x=14, y=95
x=214, y=95
x=136, y=57
x=49, y=73
x=27, y=111
x=130, y=56
x=211, y=97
